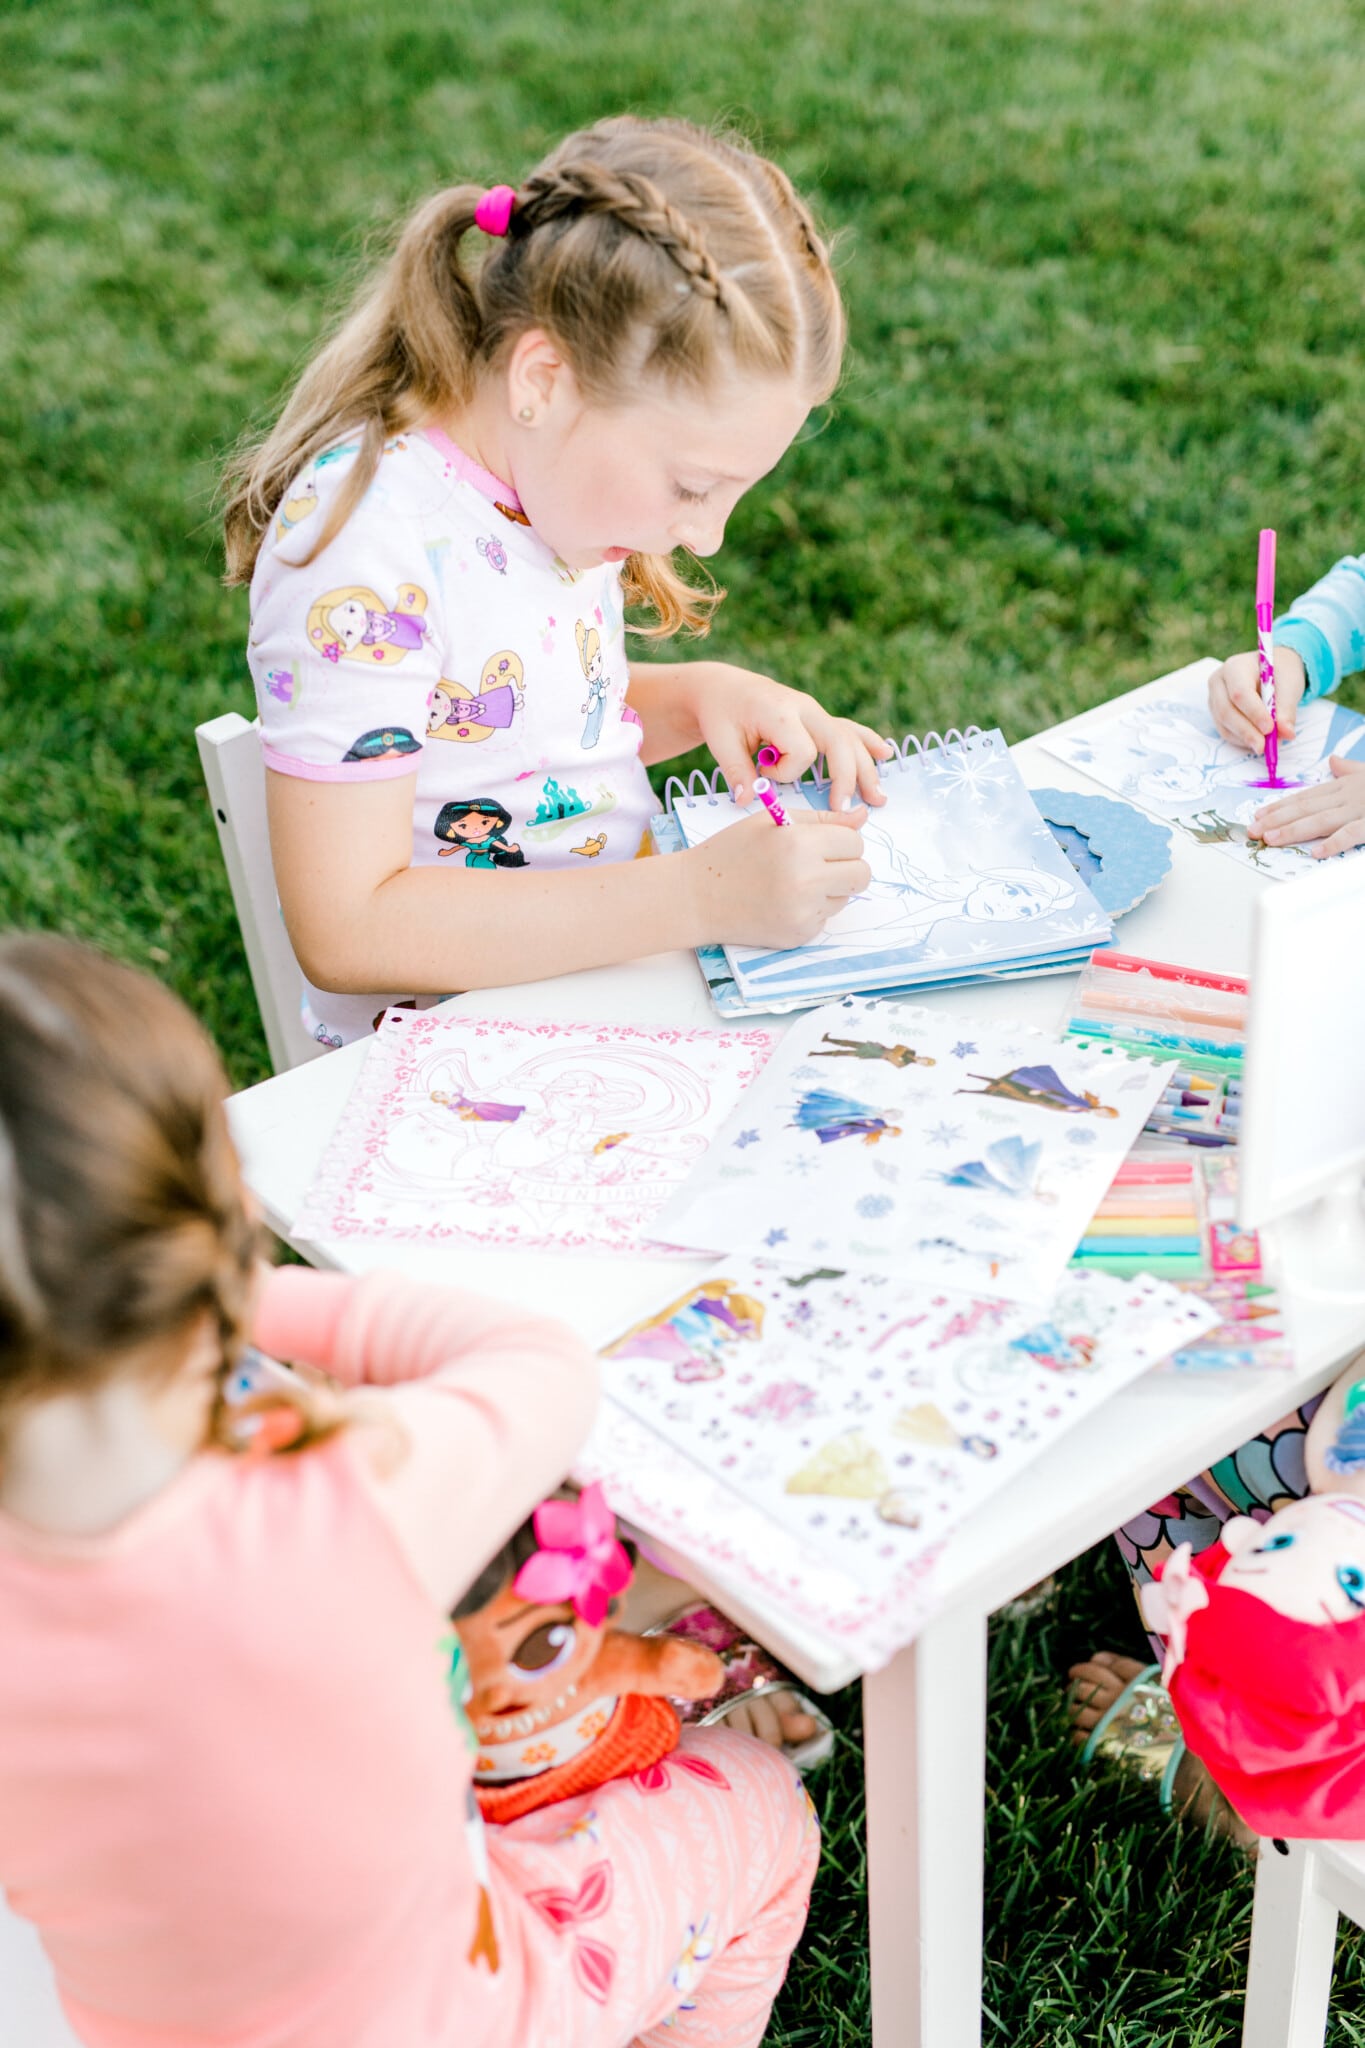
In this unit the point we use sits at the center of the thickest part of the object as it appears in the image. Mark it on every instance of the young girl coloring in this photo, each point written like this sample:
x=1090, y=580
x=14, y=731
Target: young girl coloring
x=1318, y=641
x=234, y=1776
x=548, y=392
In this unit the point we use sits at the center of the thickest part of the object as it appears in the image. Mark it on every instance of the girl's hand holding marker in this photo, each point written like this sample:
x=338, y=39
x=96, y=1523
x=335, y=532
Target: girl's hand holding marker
x=1329, y=817
x=778, y=889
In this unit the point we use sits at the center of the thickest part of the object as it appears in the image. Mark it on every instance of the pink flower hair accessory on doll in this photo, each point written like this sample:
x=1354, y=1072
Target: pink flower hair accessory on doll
x=494, y=211
x=579, y=1559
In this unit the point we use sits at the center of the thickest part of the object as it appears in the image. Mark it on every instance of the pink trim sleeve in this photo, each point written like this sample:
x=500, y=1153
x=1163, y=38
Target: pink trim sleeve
x=339, y=771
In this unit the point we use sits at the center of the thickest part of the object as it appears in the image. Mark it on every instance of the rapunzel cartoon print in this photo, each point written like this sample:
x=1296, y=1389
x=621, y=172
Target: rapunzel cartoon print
x=470, y=716
x=593, y=663
x=354, y=624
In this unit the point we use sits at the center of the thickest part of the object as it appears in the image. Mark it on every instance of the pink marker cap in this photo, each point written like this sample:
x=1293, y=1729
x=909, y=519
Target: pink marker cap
x=1265, y=574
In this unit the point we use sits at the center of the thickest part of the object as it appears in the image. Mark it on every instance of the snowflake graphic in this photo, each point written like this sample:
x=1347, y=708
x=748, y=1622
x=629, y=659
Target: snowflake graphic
x=775, y=1237
x=884, y=1170
x=944, y=1134
x=1081, y=1136
x=746, y=1138
x=802, y=1165
x=806, y=1074
x=872, y=1206
x=963, y=1049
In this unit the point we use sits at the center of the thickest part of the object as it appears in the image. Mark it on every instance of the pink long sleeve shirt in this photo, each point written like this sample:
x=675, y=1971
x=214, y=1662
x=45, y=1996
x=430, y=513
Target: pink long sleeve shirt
x=233, y=1791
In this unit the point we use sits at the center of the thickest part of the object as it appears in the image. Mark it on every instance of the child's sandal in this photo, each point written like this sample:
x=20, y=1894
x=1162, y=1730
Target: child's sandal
x=750, y=1673
x=1140, y=1731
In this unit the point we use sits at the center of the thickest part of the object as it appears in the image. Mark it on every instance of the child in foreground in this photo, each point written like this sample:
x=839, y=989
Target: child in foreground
x=234, y=1778
x=548, y=391
x=1320, y=640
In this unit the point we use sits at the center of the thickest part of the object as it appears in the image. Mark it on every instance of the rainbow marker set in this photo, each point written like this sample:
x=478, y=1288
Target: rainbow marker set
x=1196, y=1021
x=1171, y=1209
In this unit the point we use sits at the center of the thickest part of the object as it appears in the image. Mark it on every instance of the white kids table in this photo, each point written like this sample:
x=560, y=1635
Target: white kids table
x=924, y=1715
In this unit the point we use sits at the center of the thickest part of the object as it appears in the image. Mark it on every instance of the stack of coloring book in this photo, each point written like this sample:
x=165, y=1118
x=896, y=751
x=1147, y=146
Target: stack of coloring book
x=968, y=884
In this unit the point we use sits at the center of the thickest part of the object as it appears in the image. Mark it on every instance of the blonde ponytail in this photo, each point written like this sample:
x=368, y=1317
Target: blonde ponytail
x=646, y=249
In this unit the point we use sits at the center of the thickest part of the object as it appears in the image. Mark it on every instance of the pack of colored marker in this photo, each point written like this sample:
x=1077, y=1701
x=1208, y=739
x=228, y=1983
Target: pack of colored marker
x=1193, y=1020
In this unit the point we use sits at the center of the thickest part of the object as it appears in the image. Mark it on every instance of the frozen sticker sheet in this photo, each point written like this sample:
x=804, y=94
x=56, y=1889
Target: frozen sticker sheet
x=965, y=876
x=882, y=1134
x=533, y=1134
x=869, y=1416
x=1166, y=755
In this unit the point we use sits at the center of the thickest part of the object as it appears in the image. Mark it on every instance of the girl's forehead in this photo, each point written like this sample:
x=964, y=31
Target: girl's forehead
x=734, y=431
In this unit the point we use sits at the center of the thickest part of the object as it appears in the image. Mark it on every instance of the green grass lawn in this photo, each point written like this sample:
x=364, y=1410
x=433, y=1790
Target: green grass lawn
x=1106, y=281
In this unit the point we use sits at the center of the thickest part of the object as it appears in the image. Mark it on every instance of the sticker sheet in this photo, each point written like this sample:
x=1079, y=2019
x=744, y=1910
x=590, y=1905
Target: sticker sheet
x=869, y=1416
x=1166, y=754
x=661, y=1492
x=890, y=1136
x=530, y=1134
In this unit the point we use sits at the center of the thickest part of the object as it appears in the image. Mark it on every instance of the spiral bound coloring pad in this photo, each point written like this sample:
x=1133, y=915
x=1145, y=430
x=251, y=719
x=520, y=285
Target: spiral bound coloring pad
x=967, y=880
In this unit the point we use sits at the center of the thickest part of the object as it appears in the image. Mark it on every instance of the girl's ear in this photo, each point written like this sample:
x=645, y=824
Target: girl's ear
x=539, y=380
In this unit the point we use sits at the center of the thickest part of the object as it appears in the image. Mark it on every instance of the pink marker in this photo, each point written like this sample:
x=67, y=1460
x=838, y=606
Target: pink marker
x=1265, y=661
x=768, y=757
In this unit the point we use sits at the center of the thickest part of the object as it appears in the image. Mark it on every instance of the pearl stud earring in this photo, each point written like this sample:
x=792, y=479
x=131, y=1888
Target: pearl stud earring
x=527, y=414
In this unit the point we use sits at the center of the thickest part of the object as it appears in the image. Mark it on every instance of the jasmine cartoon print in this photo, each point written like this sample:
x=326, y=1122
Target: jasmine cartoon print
x=477, y=828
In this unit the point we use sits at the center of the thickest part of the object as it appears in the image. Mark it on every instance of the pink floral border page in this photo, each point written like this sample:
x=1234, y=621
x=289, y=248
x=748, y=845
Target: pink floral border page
x=529, y=1135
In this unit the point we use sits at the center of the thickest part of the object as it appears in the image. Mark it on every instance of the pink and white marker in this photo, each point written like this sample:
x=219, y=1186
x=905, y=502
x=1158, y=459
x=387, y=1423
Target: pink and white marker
x=768, y=757
x=1265, y=657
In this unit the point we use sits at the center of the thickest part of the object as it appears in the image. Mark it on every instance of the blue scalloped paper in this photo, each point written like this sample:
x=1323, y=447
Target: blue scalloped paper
x=1118, y=851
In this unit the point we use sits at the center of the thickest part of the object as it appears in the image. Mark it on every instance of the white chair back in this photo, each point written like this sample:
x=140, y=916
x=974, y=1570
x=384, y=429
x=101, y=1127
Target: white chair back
x=230, y=754
x=1301, y=1889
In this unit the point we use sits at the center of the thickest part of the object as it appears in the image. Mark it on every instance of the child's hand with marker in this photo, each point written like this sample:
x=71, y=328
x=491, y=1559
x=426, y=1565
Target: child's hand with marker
x=737, y=711
x=765, y=887
x=1237, y=707
x=1329, y=817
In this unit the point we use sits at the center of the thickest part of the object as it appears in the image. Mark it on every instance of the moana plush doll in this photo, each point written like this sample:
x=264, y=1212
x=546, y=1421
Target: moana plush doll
x=559, y=1700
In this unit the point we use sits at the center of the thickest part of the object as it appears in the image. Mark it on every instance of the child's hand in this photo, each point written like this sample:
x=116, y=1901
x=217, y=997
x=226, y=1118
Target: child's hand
x=738, y=712
x=760, y=884
x=1330, y=816
x=1235, y=699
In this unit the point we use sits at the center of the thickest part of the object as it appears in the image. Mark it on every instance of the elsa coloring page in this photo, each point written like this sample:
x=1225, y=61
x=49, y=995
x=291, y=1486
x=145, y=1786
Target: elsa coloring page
x=1166, y=755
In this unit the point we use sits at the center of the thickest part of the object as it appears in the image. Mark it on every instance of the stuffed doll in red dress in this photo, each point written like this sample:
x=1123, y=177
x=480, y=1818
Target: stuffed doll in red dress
x=559, y=1700
x=1265, y=1634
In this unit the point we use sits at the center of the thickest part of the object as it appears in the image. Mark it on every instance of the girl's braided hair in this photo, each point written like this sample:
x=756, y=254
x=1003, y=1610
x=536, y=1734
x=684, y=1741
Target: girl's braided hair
x=645, y=249
x=122, y=1211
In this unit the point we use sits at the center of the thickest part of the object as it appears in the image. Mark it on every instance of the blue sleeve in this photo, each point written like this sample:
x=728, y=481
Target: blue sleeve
x=1326, y=626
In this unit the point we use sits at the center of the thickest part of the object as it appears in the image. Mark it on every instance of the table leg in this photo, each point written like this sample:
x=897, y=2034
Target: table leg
x=924, y=1732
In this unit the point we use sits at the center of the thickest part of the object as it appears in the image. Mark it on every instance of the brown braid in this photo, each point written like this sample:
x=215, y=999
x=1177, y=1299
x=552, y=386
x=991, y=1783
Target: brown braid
x=620, y=245
x=635, y=201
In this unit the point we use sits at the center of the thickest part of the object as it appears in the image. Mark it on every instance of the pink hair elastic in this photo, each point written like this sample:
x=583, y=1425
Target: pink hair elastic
x=494, y=210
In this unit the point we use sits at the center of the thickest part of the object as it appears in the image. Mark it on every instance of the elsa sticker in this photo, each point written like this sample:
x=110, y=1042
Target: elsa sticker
x=593, y=664
x=353, y=624
x=903, y=902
